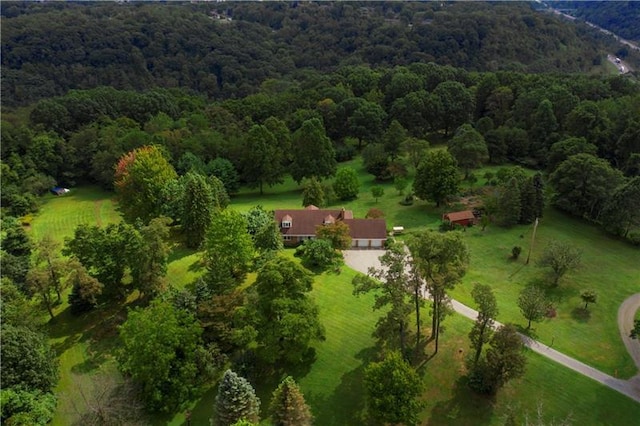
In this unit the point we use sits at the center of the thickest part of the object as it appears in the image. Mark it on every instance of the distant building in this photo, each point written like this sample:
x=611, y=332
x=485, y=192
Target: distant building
x=463, y=218
x=299, y=225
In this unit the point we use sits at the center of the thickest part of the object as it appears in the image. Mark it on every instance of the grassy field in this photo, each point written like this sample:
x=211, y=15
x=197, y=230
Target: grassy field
x=332, y=384
x=59, y=215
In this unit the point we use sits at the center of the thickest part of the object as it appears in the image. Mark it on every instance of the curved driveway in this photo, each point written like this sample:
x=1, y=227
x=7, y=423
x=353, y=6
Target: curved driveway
x=361, y=260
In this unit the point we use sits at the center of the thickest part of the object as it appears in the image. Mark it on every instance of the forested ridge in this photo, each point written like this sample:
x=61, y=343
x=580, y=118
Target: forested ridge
x=227, y=50
x=620, y=17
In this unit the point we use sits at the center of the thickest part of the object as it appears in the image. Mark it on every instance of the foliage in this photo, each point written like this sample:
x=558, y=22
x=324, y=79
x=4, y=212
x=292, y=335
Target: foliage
x=533, y=304
x=376, y=161
x=288, y=405
x=436, y=177
x=161, y=348
x=15, y=308
x=635, y=331
x=264, y=231
x=197, y=209
x=468, y=148
x=483, y=327
x=515, y=252
x=228, y=250
x=337, y=233
x=313, y=193
x=236, y=400
x=374, y=213
x=139, y=179
x=393, y=388
x=620, y=216
x=377, y=192
x=224, y=170
x=319, y=253
x=21, y=407
x=346, y=184
x=263, y=159
x=283, y=315
x=588, y=296
x=503, y=362
x=561, y=257
x=106, y=253
x=149, y=268
x=583, y=184
x=312, y=151
x=441, y=260
x=390, y=283
x=85, y=289
x=508, y=206
x=28, y=362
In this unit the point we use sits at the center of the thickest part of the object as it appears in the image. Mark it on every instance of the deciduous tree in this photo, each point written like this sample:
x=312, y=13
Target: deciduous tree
x=197, y=209
x=468, y=148
x=313, y=193
x=139, y=180
x=162, y=352
x=377, y=192
x=346, y=184
x=441, y=260
x=313, y=153
x=393, y=389
x=487, y=310
x=561, y=257
x=436, y=177
x=533, y=304
x=588, y=296
x=504, y=361
x=228, y=250
x=285, y=317
x=390, y=284
x=337, y=233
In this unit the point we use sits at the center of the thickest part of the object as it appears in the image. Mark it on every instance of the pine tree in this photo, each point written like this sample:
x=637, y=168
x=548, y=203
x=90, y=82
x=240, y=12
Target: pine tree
x=198, y=207
x=288, y=405
x=236, y=400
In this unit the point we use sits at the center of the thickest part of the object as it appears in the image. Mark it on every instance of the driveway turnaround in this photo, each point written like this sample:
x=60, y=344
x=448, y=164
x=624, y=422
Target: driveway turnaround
x=361, y=260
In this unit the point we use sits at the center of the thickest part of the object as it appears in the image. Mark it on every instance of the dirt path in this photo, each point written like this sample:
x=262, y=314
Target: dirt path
x=361, y=260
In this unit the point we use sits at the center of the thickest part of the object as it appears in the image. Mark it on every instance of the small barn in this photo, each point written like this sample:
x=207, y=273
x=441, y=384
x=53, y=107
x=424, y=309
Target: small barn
x=463, y=218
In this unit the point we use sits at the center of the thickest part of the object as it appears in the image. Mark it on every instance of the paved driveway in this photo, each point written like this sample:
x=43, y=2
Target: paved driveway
x=361, y=260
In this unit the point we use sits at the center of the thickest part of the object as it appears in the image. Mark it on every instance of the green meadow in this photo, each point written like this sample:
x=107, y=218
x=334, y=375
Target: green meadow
x=332, y=383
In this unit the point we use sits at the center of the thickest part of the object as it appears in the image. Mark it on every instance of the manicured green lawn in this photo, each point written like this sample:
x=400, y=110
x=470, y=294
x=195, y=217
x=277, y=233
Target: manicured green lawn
x=59, y=215
x=609, y=266
x=332, y=384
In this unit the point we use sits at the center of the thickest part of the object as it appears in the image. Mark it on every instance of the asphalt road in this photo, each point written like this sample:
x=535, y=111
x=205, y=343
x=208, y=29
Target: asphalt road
x=361, y=260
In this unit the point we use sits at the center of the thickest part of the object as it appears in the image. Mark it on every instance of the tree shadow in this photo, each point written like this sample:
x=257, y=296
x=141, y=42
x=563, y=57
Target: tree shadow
x=464, y=408
x=581, y=314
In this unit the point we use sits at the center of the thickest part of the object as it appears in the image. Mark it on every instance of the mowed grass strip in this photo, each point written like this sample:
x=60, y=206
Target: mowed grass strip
x=60, y=215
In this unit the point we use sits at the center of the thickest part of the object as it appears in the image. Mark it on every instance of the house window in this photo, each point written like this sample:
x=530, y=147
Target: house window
x=287, y=237
x=286, y=224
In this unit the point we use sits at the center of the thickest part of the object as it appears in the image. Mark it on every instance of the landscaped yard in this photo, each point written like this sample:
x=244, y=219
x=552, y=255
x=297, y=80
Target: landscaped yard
x=332, y=384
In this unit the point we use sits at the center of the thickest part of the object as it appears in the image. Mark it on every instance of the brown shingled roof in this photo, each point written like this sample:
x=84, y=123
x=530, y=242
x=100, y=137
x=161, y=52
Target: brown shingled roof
x=456, y=216
x=373, y=229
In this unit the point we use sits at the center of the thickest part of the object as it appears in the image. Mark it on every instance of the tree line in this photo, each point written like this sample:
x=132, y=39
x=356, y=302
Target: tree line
x=51, y=49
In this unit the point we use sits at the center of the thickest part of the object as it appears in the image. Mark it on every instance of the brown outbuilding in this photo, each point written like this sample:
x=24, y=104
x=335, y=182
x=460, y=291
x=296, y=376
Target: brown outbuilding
x=463, y=218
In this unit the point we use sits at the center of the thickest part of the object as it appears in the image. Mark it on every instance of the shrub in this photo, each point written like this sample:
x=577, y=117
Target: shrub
x=408, y=200
x=515, y=252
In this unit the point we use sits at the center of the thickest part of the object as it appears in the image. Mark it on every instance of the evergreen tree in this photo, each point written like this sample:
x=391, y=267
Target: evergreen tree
x=508, y=205
x=236, y=400
x=288, y=405
x=528, y=205
x=313, y=193
x=346, y=185
x=197, y=209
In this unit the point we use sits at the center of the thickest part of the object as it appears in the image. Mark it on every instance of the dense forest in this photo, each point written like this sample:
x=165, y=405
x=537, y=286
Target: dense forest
x=227, y=50
x=620, y=17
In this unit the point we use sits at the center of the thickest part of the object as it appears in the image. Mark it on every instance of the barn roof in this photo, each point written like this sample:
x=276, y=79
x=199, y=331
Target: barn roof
x=457, y=216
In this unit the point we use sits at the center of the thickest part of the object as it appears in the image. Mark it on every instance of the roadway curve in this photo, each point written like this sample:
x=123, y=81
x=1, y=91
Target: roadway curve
x=361, y=260
x=626, y=315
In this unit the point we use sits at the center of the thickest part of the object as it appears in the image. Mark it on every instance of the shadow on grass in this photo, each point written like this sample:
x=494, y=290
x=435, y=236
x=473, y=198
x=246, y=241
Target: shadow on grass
x=581, y=314
x=346, y=405
x=464, y=408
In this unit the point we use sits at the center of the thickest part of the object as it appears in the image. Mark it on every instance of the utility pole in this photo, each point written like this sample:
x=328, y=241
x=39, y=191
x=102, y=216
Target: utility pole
x=533, y=238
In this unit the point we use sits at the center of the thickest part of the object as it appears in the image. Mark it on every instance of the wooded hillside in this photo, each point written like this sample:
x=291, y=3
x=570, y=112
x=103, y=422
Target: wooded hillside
x=227, y=50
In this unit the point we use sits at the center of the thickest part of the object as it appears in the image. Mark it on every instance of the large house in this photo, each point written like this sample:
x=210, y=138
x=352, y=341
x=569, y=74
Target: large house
x=299, y=225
